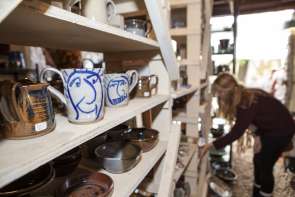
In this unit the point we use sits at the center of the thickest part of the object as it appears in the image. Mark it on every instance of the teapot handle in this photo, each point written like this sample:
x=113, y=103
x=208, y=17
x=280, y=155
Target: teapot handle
x=53, y=90
x=132, y=79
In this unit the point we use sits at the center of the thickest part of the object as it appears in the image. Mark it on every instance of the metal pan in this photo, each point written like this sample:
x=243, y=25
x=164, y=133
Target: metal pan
x=118, y=157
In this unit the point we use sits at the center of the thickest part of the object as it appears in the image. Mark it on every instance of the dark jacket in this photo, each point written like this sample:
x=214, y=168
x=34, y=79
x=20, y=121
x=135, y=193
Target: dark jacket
x=268, y=114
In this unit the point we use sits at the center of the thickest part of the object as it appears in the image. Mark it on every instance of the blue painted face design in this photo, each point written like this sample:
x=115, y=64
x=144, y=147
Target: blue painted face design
x=85, y=92
x=117, y=90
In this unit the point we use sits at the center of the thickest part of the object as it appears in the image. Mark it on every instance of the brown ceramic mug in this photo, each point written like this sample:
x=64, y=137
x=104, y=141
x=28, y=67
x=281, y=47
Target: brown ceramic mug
x=146, y=84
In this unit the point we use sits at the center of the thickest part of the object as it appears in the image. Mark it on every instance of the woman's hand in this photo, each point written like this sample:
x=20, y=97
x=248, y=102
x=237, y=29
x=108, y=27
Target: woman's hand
x=257, y=144
x=204, y=149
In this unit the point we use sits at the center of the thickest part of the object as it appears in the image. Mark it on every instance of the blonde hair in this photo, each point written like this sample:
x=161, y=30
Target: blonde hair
x=235, y=95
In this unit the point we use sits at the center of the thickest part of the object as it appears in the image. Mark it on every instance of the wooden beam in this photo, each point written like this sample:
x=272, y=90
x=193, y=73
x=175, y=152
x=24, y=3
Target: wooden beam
x=247, y=7
x=160, y=26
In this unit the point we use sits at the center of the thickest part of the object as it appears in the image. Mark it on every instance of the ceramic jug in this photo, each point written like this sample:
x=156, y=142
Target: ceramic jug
x=83, y=93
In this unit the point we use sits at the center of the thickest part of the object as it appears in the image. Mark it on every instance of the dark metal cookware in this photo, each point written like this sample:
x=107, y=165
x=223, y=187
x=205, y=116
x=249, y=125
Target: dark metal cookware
x=226, y=174
x=95, y=142
x=217, y=132
x=90, y=185
x=33, y=181
x=67, y=163
x=219, y=188
x=145, y=138
x=118, y=157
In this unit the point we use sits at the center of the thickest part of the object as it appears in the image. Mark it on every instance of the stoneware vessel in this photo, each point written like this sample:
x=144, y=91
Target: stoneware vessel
x=146, y=84
x=118, y=86
x=83, y=93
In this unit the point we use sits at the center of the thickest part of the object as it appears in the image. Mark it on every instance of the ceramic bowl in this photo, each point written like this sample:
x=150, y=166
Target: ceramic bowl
x=145, y=138
x=226, y=174
x=68, y=162
x=217, y=132
x=89, y=184
x=29, y=183
x=117, y=132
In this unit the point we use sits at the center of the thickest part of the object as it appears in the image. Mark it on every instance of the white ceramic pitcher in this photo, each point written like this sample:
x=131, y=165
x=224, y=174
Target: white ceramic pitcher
x=83, y=93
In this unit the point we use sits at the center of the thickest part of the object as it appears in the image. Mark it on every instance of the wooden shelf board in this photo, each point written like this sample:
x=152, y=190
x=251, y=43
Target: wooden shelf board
x=34, y=23
x=182, y=3
x=222, y=53
x=186, y=160
x=184, y=31
x=126, y=183
x=203, y=85
x=11, y=71
x=182, y=117
x=183, y=91
x=189, y=62
x=222, y=31
x=6, y=7
x=19, y=157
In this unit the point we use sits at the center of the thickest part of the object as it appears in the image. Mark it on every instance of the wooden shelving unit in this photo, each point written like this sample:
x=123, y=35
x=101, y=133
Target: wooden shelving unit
x=191, y=35
x=126, y=183
x=34, y=23
x=181, y=3
x=4, y=71
x=186, y=160
x=183, y=91
x=46, y=25
x=22, y=156
x=183, y=31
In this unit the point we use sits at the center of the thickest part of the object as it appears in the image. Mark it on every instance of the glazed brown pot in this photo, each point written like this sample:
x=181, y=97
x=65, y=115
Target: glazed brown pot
x=67, y=163
x=145, y=86
x=117, y=132
x=29, y=183
x=90, y=184
x=26, y=109
x=145, y=138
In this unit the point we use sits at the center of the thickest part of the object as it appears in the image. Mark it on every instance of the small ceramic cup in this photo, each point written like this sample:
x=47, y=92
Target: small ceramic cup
x=146, y=85
x=118, y=86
